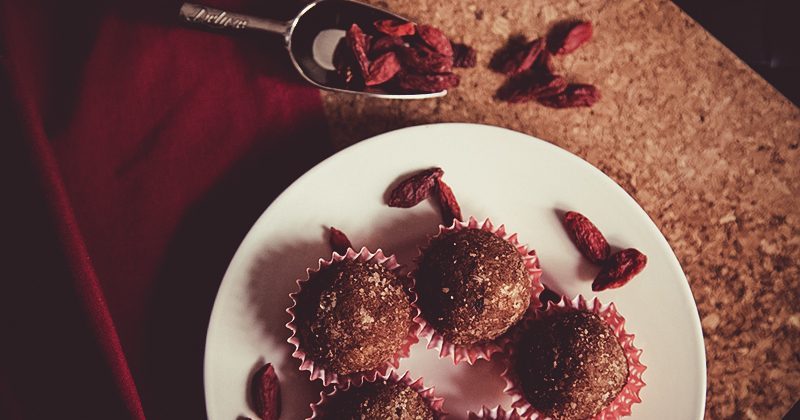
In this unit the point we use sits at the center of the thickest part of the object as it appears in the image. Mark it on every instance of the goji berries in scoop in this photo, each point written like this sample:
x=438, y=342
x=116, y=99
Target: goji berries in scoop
x=397, y=56
x=382, y=69
x=357, y=41
x=394, y=28
x=435, y=39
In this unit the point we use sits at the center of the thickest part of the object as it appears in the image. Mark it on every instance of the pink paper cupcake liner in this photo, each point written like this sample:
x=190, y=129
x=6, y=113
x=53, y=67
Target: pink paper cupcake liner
x=497, y=413
x=434, y=402
x=472, y=353
x=629, y=395
x=319, y=372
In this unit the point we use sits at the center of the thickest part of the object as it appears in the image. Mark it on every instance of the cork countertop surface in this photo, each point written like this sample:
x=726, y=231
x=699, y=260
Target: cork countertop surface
x=707, y=147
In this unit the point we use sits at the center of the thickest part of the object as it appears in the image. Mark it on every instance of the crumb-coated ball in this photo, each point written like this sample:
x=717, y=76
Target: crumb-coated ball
x=472, y=285
x=353, y=316
x=379, y=401
x=570, y=365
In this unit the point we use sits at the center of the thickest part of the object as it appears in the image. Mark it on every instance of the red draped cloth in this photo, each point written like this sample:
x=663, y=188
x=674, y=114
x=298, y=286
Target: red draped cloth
x=136, y=153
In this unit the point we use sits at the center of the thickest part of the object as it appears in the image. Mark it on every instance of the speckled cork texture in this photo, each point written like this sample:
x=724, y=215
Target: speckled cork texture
x=705, y=145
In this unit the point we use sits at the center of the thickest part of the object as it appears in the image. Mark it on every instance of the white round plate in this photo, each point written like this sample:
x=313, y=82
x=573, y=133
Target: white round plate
x=519, y=181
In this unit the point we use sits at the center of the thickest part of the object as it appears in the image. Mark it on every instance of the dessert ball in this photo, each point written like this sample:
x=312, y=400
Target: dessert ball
x=379, y=401
x=569, y=365
x=472, y=285
x=353, y=316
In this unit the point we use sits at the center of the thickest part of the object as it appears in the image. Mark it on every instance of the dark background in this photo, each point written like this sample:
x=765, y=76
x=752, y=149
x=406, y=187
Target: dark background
x=765, y=34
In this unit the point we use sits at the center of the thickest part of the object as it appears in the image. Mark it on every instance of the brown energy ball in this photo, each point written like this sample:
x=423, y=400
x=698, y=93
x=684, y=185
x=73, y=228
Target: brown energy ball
x=379, y=401
x=472, y=285
x=570, y=365
x=353, y=316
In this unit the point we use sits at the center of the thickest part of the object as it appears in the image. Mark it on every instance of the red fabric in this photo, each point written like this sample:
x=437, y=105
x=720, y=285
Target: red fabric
x=136, y=154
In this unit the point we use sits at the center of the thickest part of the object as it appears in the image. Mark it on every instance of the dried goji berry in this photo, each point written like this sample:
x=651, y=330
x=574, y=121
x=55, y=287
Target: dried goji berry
x=586, y=236
x=393, y=27
x=435, y=39
x=619, y=269
x=422, y=60
x=382, y=69
x=526, y=88
x=412, y=190
x=427, y=83
x=384, y=44
x=513, y=45
x=524, y=58
x=447, y=202
x=544, y=63
x=345, y=62
x=339, y=241
x=464, y=55
x=575, y=95
x=566, y=37
x=358, y=44
x=266, y=393
x=517, y=55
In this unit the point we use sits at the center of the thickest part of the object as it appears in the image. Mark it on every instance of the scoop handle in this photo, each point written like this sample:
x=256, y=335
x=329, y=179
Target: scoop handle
x=197, y=14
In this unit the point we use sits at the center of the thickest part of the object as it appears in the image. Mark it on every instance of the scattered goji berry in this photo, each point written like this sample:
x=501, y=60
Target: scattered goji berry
x=619, y=269
x=523, y=59
x=447, y=202
x=566, y=37
x=575, y=95
x=266, y=393
x=339, y=241
x=412, y=190
x=464, y=55
x=586, y=236
x=544, y=63
x=526, y=88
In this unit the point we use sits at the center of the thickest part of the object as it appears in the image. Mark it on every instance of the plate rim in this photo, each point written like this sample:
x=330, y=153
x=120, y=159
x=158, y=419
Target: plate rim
x=673, y=261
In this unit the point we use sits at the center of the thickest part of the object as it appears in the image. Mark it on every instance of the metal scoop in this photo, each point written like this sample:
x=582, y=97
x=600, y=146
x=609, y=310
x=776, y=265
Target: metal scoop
x=310, y=38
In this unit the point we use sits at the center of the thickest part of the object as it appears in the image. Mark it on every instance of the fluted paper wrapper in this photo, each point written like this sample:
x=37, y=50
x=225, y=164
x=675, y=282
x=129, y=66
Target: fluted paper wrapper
x=497, y=413
x=434, y=402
